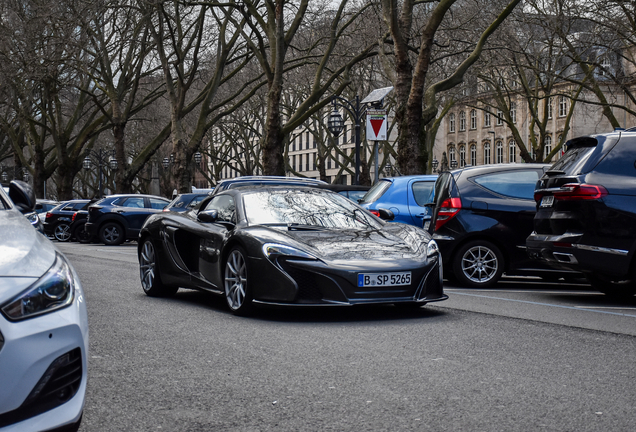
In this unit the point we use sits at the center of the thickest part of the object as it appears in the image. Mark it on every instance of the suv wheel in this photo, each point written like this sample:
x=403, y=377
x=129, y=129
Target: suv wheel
x=111, y=233
x=82, y=235
x=615, y=289
x=62, y=232
x=478, y=264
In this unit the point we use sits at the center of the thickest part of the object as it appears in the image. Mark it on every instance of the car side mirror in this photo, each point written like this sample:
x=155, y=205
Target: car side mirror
x=22, y=195
x=386, y=214
x=208, y=216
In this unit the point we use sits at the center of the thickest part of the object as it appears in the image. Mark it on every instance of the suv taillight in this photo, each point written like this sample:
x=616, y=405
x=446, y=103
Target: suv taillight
x=48, y=215
x=447, y=211
x=576, y=192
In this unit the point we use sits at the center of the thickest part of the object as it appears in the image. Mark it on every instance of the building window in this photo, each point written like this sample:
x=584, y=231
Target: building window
x=499, y=149
x=549, y=108
x=499, y=117
x=487, y=153
x=473, y=155
x=307, y=162
x=563, y=106
x=547, y=148
x=451, y=122
x=462, y=156
x=605, y=66
x=293, y=146
x=293, y=163
x=513, y=112
x=512, y=151
x=451, y=154
x=473, y=119
x=486, y=119
x=307, y=141
x=462, y=121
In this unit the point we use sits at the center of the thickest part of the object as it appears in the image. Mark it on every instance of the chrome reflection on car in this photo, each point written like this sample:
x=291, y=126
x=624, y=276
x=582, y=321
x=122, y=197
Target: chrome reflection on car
x=479, y=264
x=235, y=279
x=147, y=265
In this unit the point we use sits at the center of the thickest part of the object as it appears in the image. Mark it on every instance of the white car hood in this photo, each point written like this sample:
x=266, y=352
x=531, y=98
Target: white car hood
x=24, y=252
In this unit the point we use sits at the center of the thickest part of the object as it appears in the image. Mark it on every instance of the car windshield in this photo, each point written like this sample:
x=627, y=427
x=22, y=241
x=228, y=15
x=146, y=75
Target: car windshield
x=300, y=207
x=376, y=191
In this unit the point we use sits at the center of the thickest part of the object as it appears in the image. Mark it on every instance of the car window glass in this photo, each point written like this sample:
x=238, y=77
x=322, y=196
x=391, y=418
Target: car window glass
x=516, y=184
x=376, y=191
x=195, y=201
x=157, y=203
x=68, y=207
x=422, y=192
x=224, y=204
x=136, y=202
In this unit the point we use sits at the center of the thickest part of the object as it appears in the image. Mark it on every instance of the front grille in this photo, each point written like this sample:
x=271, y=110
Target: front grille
x=58, y=385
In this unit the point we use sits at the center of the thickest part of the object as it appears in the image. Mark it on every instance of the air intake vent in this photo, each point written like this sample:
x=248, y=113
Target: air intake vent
x=58, y=385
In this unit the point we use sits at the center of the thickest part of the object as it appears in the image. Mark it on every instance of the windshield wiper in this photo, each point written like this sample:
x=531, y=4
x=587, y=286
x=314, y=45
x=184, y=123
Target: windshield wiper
x=301, y=227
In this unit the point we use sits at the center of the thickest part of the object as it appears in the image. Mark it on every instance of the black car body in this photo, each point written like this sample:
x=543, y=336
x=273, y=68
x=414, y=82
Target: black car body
x=481, y=218
x=288, y=246
x=353, y=192
x=185, y=202
x=586, y=211
x=118, y=218
x=57, y=222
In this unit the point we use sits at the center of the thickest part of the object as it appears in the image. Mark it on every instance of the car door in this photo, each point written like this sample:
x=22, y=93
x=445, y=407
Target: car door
x=134, y=210
x=213, y=237
x=419, y=194
x=442, y=191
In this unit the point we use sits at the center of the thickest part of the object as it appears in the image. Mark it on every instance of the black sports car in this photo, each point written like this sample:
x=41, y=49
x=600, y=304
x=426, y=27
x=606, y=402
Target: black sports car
x=288, y=246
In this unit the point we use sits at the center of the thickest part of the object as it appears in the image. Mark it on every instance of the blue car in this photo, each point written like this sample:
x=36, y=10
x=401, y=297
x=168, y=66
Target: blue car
x=406, y=197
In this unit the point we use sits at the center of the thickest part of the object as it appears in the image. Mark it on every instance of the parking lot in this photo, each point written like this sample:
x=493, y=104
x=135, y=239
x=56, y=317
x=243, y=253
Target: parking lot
x=522, y=356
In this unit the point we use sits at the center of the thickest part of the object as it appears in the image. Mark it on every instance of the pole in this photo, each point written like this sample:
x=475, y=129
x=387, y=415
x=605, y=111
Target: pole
x=357, y=181
x=377, y=165
x=99, y=161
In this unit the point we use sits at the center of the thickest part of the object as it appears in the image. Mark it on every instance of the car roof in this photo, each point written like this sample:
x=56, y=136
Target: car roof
x=479, y=169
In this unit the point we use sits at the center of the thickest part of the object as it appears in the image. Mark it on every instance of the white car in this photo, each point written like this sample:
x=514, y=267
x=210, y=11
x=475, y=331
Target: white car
x=43, y=326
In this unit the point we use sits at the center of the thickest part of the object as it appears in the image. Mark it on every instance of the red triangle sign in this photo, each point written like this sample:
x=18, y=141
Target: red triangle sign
x=376, y=124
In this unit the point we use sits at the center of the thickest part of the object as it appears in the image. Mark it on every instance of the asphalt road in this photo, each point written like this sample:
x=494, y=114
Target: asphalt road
x=525, y=356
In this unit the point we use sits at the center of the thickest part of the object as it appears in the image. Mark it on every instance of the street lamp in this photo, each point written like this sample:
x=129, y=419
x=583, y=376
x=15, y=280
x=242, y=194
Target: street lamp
x=5, y=176
x=435, y=164
x=388, y=169
x=198, y=157
x=453, y=164
x=104, y=158
x=358, y=110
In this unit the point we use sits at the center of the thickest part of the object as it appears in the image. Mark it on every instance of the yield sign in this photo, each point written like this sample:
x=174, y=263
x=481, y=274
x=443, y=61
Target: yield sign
x=376, y=125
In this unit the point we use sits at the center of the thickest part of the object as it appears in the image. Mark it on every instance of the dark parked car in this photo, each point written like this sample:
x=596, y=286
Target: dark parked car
x=288, y=246
x=118, y=218
x=57, y=222
x=354, y=192
x=266, y=181
x=406, y=197
x=42, y=206
x=78, y=223
x=586, y=212
x=185, y=202
x=481, y=218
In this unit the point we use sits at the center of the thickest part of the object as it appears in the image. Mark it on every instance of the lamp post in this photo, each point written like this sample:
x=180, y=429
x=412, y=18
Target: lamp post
x=388, y=169
x=18, y=173
x=435, y=164
x=104, y=158
x=358, y=110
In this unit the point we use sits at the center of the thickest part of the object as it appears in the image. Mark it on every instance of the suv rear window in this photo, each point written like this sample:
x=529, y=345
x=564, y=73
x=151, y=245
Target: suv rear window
x=516, y=184
x=376, y=191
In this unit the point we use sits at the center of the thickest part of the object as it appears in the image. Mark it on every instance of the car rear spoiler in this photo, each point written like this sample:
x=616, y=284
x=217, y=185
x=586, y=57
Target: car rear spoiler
x=585, y=141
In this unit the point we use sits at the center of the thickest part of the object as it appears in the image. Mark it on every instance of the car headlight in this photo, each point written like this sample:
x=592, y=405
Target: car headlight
x=55, y=290
x=33, y=218
x=272, y=250
x=432, y=249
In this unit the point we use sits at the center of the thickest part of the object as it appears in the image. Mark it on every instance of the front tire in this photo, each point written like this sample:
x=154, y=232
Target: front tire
x=237, y=290
x=478, y=264
x=81, y=235
x=112, y=234
x=150, y=274
x=62, y=232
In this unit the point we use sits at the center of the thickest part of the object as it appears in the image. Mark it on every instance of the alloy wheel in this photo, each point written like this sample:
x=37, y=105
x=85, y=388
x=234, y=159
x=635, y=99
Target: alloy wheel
x=147, y=265
x=235, y=280
x=479, y=264
x=62, y=232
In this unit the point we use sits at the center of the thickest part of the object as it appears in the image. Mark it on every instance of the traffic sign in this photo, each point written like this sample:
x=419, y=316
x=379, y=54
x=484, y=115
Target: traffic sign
x=376, y=125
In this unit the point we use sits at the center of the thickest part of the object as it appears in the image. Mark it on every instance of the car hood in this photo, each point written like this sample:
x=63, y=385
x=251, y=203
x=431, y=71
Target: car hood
x=24, y=252
x=393, y=241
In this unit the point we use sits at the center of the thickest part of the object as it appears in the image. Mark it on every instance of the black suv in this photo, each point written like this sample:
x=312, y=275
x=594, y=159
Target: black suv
x=57, y=222
x=586, y=212
x=481, y=218
x=118, y=218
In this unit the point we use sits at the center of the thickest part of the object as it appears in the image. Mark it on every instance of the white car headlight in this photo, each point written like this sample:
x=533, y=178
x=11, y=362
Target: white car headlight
x=271, y=250
x=432, y=249
x=53, y=291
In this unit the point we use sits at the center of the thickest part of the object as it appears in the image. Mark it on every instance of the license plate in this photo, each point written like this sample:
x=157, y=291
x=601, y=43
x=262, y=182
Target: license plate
x=547, y=201
x=384, y=279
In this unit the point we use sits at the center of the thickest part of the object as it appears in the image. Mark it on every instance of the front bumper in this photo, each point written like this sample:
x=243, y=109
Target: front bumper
x=311, y=283
x=48, y=352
